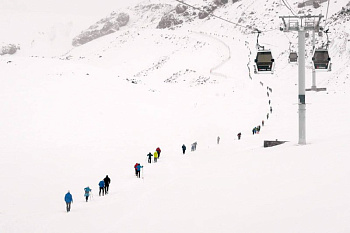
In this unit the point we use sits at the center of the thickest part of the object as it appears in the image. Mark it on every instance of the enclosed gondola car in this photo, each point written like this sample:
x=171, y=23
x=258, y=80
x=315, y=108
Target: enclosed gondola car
x=264, y=61
x=293, y=57
x=321, y=59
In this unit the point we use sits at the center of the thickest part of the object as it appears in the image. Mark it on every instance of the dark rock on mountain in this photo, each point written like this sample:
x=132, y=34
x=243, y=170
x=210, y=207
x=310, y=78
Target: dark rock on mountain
x=103, y=27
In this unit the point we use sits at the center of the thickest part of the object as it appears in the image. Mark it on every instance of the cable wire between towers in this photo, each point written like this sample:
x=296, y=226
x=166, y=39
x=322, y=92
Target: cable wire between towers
x=239, y=25
x=288, y=6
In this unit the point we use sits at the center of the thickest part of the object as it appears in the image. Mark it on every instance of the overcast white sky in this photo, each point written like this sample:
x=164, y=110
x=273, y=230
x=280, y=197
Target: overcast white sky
x=82, y=7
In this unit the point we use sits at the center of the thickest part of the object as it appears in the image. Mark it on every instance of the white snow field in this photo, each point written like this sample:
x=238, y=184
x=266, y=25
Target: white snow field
x=71, y=116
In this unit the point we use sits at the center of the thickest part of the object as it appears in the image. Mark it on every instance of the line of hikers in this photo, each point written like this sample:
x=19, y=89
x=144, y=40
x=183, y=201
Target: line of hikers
x=104, y=184
x=103, y=187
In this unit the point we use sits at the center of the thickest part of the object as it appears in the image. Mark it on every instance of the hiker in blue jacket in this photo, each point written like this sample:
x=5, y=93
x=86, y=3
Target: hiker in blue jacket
x=68, y=199
x=102, y=188
x=138, y=169
x=87, y=192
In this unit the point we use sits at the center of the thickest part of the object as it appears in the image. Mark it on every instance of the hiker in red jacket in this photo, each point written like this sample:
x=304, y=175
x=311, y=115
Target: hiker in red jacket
x=135, y=166
x=158, y=151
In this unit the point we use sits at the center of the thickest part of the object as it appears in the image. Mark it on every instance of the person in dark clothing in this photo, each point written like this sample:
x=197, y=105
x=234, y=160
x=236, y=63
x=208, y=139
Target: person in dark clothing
x=107, y=181
x=239, y=136
x=262, y=122
x=149, y=157
x=267, y=115
x=101, y=185
x=68, y=199
x=183, y=148
x=270, y=109
x=158, y=151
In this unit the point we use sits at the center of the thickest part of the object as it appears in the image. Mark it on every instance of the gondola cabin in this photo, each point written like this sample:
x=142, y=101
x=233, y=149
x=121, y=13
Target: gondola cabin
x=293, y=57
x=321, y=59
x=264, y=61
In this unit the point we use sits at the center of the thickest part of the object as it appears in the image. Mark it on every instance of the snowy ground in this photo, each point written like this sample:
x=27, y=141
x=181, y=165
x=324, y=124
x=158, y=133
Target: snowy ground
x=66, y=124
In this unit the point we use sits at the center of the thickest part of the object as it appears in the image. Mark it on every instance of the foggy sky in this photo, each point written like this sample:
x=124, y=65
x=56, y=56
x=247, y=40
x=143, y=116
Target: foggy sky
x=81, y=7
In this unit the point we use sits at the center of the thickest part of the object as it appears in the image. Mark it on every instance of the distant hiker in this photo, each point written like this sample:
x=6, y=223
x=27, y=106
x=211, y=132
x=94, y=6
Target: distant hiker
x=267, y=116
x=149, y=157
x=107, y=181
x=87, y=192
x=68, y=199
x=254, y=130
x=239, y=136
x=183, y=149
x=193, y=146
x=155, y=156
x=101, y=185
x=268, y=94
x=262, y=122
x=135, y=166
x=158, y=151
x=270, y=109
x=138, y=169
x=218, y=140
x=269, y=102
x=258, y=129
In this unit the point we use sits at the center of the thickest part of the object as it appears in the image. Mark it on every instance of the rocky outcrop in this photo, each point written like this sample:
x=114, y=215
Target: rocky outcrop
x=206, y=11
x=180, y=8
x=103, y=27
x=168, y=21
x=202, y=14
x=219, y=2
x=9, y=49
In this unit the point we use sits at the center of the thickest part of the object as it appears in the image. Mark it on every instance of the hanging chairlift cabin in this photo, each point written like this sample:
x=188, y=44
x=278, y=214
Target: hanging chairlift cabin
x=264, y=61
x=321, y=59
x=293, y=57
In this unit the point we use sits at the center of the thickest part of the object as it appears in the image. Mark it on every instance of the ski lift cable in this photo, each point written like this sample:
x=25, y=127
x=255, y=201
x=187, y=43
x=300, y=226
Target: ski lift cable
x=327, y=14
x=228, y=21
x=286, y=2
x=288, y=6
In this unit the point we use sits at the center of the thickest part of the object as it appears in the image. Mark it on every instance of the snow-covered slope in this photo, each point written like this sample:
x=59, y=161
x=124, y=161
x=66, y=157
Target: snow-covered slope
x=69, y=120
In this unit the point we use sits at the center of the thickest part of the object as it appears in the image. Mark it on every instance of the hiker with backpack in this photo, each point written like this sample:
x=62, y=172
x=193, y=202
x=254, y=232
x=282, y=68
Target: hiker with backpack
x=87, y=193
x=138, y=169
x=158, y=151
x=101, y=185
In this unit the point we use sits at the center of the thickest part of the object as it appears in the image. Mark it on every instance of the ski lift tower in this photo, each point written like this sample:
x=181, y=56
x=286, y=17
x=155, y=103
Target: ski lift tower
x=301, y=24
